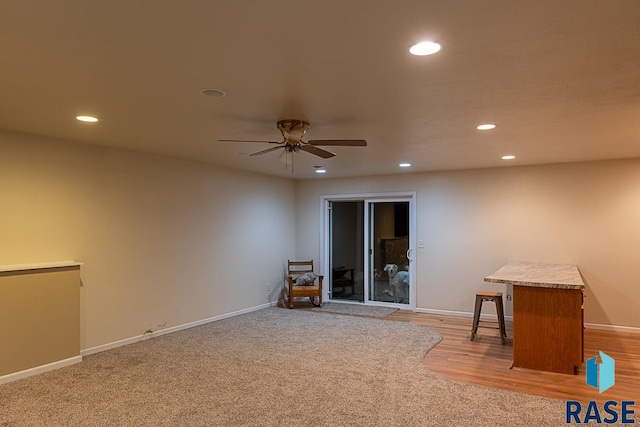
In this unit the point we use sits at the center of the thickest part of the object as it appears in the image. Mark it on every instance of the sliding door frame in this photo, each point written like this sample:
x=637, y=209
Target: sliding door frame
x=325, y=242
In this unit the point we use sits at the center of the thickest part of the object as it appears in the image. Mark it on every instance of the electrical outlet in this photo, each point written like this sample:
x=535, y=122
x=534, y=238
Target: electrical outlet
x=268, y=287
x=508, y=297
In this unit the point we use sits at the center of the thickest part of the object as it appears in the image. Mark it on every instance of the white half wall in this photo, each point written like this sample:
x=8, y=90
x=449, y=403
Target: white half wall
x=164, y=242
x=473, y=221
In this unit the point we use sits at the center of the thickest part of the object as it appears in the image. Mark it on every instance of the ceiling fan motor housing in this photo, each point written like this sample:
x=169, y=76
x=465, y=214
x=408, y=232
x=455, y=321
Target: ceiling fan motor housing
x=293, y=130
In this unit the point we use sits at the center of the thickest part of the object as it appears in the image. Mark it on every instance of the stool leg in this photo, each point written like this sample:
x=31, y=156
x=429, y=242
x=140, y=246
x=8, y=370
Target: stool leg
x=476, y=317
x=500, y=313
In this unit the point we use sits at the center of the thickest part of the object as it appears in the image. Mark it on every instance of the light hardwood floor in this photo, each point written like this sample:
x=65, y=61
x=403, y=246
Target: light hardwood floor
x=485, y=361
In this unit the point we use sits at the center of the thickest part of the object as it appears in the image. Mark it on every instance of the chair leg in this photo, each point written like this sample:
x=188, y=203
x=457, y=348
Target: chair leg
x=313, y=301
x=476, y=318
x=501, y=324
x=289, y=292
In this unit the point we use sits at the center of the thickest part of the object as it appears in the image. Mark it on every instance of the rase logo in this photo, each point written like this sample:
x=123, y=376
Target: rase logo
x=601, y=376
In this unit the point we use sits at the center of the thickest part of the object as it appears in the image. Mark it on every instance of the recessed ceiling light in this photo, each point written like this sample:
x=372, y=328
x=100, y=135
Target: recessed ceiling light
x=405, y=165
x=424, y=48
x=487, y=126
x=321, y=171
x=509, y=157
x=214, y=93
x=88, y=119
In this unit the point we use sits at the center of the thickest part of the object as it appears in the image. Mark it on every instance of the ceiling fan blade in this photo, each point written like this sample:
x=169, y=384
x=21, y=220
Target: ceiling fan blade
x=248, y=140
x=339, y=142
x=266, y=151
x=317, y=151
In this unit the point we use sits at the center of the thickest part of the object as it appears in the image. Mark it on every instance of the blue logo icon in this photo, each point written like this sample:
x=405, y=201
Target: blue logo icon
x=601, y=375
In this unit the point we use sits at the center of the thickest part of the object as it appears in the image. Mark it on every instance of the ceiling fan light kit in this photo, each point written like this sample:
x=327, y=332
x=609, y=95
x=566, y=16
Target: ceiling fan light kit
x=293, y=131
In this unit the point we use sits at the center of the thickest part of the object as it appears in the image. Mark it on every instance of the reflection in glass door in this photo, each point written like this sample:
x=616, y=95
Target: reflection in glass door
x=346, y=250
x=389, y=252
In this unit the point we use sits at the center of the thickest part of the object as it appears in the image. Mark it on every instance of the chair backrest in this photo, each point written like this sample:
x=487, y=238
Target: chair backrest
x=296, y=268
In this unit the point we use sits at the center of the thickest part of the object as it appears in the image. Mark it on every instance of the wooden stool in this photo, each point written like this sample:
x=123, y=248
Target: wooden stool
x=496, y=297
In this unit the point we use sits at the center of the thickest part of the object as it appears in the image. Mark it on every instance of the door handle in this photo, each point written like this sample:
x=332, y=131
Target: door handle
x=409, y=251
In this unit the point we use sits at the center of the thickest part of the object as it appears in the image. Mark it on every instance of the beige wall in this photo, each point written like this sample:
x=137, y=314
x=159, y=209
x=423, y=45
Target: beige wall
x=473, y=221
x=163, y=241
x=40, y=317
x=170, y=242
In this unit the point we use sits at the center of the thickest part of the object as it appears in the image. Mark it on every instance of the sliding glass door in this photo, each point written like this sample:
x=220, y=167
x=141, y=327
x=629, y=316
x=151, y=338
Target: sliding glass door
x=368, y=249
x=389, y=252
x=346, y=274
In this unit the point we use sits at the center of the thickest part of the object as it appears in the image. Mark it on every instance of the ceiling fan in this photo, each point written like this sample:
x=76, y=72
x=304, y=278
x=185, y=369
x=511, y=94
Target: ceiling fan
x=292, y=133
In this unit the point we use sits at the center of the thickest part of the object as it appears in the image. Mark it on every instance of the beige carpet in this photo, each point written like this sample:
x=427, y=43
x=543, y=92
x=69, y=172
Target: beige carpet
x=274, y=367
x=355, y=309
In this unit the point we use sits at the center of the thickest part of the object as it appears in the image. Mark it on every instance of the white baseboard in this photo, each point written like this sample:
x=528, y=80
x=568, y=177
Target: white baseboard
x=137, y=338
x=615, y=328
x=73, y=360
x=62, y=363
x=39, y=369
x=458, y=313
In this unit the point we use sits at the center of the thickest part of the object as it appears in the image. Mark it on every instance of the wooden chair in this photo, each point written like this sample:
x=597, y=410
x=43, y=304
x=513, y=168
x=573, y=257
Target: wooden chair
x=295, y=269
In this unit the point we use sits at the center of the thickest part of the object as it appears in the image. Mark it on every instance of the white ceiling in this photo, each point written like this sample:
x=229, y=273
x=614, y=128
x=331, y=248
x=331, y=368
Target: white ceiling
x=561, y=79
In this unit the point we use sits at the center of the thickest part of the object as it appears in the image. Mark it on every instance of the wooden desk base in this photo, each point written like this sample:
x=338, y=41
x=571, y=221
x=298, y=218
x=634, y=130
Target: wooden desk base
x=547, y=329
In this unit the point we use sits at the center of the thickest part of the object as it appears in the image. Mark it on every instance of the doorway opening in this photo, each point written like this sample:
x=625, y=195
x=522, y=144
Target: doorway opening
x=367, y=246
